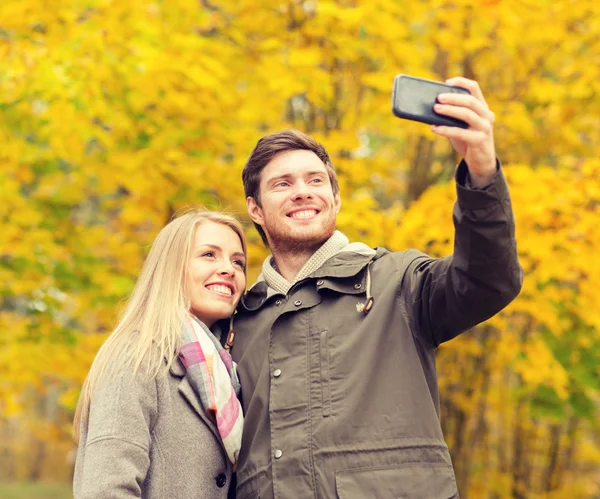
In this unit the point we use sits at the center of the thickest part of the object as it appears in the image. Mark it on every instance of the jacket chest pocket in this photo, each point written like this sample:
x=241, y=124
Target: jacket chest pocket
x=337, y=313
x=334, y=330
x=324, y=369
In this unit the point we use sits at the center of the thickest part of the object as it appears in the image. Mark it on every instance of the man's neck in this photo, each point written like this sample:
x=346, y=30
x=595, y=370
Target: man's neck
x=291, y=263
x=288, y=264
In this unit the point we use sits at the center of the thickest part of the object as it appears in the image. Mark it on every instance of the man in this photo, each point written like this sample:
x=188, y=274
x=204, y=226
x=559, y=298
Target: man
x=335, y=343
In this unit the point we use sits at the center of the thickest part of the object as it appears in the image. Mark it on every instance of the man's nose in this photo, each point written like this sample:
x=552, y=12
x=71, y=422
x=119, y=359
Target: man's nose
x=301, y=191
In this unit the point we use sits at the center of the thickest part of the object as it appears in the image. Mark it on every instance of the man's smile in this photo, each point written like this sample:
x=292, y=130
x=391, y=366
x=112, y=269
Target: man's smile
x=303, y=213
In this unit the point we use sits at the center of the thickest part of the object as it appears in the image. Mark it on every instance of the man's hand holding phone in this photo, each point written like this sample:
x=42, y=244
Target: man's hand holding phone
x=475, y=143
x=457, y=110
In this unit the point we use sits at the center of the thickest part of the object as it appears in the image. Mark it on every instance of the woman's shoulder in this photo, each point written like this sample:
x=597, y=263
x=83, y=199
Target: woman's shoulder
x=124, y=402
x=130, y=364
x=125, y=383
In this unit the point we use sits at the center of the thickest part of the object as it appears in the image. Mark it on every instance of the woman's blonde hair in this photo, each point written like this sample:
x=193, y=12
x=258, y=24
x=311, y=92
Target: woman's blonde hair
x=149, y=329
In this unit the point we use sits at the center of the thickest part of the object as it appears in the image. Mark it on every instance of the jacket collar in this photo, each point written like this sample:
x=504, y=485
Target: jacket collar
x=177, y=368
x=348, y=262
x=328, y=249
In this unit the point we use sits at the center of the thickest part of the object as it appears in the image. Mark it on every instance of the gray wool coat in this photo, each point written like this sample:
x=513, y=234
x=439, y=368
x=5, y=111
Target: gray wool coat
x=149, y=438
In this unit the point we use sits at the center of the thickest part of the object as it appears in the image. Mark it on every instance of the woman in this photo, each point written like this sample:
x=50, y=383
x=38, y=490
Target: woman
x=158, y=416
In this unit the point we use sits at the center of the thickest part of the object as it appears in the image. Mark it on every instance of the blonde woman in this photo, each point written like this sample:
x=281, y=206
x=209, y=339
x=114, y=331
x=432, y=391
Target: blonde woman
x=158, y=415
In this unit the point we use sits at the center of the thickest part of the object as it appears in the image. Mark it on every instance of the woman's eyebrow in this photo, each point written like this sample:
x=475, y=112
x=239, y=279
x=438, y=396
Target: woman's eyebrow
x=211, y=246
x=218, y=248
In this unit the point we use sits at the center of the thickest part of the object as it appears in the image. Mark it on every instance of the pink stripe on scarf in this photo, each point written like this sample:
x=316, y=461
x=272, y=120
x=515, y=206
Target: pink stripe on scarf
x=192, y=354
x=228, y=416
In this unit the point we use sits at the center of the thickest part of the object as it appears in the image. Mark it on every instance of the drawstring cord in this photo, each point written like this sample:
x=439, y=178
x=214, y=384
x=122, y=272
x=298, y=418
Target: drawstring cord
x=366, y=307
x=230, y=335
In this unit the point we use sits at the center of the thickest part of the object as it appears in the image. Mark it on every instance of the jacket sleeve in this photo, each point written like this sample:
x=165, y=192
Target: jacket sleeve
x=114, y=453
x=447, y=296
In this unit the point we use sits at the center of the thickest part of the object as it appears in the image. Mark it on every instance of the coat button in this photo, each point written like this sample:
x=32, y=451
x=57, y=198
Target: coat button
x=221, y=480
x=358, y=285
x=277, y=373
x=320, y=283
x=297, y=303
x=278, y=453
x=277, y=303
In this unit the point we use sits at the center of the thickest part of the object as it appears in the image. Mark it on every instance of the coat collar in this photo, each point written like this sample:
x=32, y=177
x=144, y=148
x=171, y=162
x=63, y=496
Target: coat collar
x=349, y=262
x=177, y=370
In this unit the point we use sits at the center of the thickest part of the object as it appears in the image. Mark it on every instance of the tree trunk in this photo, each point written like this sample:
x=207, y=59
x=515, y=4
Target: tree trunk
x=550, y=479
x=419, y=177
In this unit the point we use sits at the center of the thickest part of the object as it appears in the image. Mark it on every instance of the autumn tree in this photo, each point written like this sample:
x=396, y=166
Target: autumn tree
x=114, y=115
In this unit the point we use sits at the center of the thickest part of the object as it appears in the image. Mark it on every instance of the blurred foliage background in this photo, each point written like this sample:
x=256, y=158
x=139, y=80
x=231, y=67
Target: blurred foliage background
x=116, y=114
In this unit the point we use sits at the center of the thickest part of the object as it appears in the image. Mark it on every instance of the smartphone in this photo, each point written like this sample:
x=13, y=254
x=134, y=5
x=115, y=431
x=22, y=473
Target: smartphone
x=413, y=99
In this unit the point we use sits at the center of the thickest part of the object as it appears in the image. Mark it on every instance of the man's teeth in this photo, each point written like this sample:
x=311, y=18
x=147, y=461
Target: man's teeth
x=304, y=214
x=220, y=289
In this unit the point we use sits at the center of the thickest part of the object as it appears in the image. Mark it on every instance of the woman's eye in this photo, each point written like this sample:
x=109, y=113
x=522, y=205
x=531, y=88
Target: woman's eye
x=208, y=254
x=240, y=263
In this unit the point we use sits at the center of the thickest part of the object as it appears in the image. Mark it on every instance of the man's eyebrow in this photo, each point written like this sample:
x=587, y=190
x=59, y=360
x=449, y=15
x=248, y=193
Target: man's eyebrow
x=284, y=176
x=279, y=176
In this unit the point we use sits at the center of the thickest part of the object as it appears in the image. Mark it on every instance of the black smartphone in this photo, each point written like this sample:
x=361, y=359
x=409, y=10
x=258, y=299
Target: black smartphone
x=413, y=99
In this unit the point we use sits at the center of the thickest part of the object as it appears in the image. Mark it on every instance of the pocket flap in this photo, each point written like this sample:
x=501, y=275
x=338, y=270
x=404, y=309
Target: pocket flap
x=418, y=481
x=354, y=285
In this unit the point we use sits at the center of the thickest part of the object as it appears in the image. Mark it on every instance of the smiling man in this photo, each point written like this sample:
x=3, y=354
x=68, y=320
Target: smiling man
x=295, y=205
x=336, y=341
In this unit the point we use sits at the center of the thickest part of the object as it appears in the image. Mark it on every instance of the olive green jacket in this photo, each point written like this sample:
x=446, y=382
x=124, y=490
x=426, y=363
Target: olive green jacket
x=339, y=403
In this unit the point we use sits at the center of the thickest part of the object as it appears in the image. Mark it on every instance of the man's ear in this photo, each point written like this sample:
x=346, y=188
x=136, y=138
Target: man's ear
x=337, y=200
x=254, y=211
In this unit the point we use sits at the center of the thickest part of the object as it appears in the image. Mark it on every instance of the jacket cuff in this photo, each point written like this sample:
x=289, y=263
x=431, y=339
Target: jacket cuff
x=472, y=197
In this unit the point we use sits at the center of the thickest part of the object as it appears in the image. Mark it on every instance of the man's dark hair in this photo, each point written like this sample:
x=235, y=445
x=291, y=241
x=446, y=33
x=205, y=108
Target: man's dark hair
x=270, y=146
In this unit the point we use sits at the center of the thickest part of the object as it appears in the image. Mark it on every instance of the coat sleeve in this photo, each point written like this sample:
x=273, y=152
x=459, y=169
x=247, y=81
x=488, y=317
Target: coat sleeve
x=114, y=451
x=445, y=297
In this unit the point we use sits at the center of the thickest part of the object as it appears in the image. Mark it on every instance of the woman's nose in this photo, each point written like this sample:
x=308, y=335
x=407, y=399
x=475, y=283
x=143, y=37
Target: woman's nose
x=227, y=269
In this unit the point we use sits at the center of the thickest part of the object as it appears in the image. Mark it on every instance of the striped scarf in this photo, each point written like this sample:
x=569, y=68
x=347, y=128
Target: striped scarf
x=213, y=376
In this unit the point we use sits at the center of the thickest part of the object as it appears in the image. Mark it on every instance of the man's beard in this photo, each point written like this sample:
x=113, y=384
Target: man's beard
x=286, y=240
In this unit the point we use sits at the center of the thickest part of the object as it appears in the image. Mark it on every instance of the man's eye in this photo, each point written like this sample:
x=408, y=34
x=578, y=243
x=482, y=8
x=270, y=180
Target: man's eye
x=281, y=184
x=318, y=180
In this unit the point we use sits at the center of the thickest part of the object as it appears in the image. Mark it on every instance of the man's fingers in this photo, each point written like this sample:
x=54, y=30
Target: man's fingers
x=467, y=101
x=471, y=85
x=474, y=120
x=472, y=137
